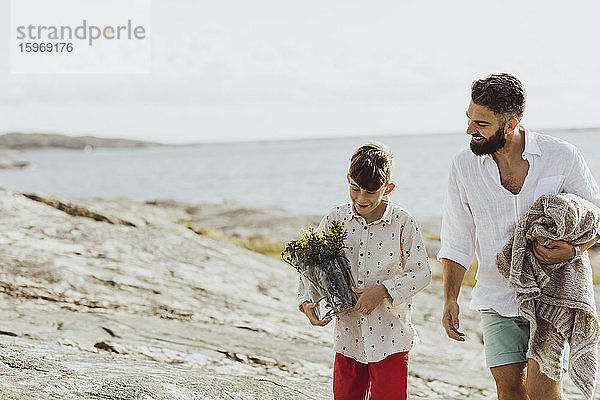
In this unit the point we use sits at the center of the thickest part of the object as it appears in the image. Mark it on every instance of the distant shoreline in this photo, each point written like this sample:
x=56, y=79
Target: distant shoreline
x=554, y=130
x=12, y=144
x=41, y=141
x=382, y=136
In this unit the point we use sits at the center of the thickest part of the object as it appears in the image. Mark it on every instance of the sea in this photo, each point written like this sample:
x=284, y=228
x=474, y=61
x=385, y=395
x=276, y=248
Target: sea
x=306, y=176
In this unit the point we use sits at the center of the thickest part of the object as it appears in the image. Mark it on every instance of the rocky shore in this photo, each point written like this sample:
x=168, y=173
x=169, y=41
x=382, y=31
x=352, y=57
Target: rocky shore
x=115, y=299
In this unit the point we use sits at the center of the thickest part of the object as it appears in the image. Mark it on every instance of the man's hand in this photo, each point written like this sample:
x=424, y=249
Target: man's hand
x=450, y=321
x=309, y=310
x=454, y=274
x=369, y=298
x=553, y=251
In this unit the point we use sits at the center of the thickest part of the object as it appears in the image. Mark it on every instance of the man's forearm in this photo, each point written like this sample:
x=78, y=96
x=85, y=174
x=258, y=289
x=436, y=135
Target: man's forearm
x=454, y=274
x=589, y=244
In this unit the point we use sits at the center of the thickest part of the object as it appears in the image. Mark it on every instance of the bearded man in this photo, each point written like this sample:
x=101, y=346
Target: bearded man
x=490, y=187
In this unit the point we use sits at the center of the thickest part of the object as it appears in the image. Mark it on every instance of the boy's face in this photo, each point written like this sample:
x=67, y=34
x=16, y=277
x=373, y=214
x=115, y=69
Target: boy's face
x=368, y=202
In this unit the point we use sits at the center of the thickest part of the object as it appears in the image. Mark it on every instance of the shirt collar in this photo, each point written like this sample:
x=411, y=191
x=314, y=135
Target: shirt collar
x=531, y=145
x=386, y=217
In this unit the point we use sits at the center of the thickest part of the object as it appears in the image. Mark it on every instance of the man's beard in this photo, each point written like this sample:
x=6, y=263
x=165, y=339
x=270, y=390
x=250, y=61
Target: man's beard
x=491, y=145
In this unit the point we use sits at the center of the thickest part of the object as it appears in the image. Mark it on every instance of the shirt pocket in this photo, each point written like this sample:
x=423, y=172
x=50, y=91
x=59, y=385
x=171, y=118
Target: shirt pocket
x=550, y=185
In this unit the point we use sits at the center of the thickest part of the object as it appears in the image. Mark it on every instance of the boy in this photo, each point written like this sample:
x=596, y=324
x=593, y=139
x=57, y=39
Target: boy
x=389, y=265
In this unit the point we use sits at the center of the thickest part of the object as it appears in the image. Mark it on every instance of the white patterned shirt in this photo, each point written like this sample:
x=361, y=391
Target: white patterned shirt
x=375, y=258
x=480, y=215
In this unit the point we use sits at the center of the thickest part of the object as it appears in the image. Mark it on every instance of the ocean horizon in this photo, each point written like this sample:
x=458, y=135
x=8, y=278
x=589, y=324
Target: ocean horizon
x=297, y=175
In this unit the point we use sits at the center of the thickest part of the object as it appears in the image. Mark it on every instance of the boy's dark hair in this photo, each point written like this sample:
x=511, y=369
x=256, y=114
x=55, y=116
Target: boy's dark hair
x=371, y=166
x=502, y=93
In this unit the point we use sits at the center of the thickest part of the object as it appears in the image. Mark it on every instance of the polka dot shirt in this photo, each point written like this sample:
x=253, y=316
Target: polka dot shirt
x=374, y=251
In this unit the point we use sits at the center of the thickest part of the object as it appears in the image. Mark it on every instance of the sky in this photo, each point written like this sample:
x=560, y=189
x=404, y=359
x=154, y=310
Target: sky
x=275, y=69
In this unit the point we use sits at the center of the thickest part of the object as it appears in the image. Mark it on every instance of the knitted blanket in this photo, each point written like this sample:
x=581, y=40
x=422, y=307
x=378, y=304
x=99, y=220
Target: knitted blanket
x=557, y=299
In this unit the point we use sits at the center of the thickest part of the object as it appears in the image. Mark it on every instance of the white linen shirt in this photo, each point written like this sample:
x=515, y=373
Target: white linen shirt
x=375, y=258
x=480, y=215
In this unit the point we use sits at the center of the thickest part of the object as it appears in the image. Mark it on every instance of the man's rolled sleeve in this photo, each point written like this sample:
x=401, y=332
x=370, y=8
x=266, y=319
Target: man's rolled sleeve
x=417, y=272
x=454, y=255
x=458, y=228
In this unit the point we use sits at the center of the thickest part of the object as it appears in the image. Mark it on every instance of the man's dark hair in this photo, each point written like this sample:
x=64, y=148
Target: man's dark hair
x=502, y=93
x=371, y=166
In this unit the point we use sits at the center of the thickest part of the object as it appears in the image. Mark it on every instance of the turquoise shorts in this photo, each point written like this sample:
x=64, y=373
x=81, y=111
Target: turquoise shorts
x=506, y=339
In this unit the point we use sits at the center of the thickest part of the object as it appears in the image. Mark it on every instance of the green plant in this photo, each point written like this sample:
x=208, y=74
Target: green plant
x=261, y=245
x=198, y=230
x=319, y=259
x=314, y=249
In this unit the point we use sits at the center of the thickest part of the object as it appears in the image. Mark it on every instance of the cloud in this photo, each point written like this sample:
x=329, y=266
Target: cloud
x=235, y=62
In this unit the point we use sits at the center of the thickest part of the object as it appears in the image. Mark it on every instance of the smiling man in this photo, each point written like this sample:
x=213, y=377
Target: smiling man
x=490, y=187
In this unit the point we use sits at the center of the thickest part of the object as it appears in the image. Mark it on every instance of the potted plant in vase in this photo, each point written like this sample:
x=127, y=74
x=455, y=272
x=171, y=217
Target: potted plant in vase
x=319, y=259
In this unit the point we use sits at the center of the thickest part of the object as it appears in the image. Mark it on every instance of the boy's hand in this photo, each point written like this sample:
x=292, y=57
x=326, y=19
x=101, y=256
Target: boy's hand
x=309, y=310
x=369, y=298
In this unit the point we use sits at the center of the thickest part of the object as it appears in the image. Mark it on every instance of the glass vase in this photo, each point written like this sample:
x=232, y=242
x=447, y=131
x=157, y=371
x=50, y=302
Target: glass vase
x=332, y=284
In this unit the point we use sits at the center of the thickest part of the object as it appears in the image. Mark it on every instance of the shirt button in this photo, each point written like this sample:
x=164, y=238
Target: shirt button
x=365, y=227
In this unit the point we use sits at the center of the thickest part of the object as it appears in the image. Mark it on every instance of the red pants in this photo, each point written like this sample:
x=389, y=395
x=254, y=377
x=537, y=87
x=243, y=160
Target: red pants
x=383, y=380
